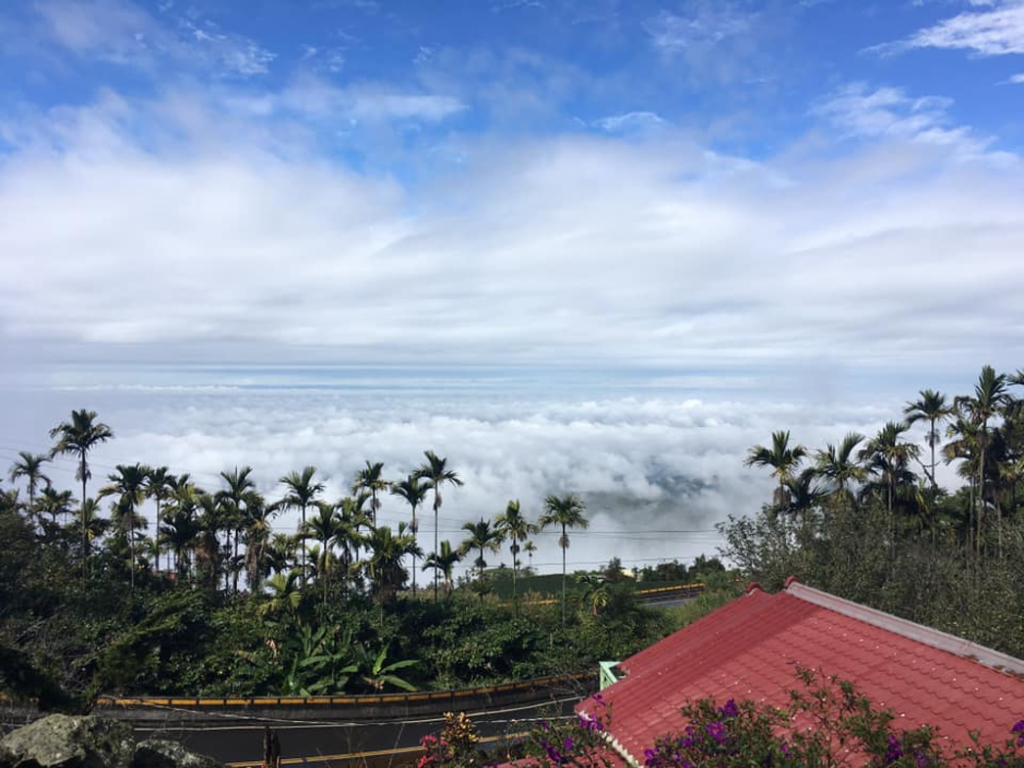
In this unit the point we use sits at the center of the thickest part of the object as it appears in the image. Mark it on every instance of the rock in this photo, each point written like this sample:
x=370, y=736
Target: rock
x=63, y=741
x=158, y=753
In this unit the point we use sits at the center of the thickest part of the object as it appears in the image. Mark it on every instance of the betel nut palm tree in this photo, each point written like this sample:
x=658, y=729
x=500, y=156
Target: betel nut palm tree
x=302, y=491
x=783, y=459
x=565, y=512
x=414, y=493
x=436, y=474
x=77, y=437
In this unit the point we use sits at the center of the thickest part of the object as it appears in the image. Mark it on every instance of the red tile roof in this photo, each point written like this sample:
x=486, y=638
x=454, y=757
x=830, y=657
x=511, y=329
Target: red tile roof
x=749, y=649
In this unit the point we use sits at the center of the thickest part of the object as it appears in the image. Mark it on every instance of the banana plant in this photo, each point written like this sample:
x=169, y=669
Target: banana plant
x=376, y=674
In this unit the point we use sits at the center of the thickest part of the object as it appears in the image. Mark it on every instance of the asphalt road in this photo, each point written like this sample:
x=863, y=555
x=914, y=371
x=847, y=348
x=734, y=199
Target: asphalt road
x=240, y=742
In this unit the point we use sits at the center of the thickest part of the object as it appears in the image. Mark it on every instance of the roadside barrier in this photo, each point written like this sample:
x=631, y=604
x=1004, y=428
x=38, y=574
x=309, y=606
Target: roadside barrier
x=142, y=709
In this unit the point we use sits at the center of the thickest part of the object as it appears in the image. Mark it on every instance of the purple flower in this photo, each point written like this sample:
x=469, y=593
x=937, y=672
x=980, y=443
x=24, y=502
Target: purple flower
x=730, y=709
x=568, y=744
x=921, y=759
x=544, y=725
x=1018, y=727
x=650, y=755
x=894, y=750
x=784, y=748
x=718, y=732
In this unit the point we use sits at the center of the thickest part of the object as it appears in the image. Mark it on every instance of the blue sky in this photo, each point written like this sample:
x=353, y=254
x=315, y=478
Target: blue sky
x=573, y=244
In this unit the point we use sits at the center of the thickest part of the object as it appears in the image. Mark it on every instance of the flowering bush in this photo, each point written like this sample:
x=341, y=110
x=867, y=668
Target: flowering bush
x=457, y=746
x=578, y=740
x=827, y=725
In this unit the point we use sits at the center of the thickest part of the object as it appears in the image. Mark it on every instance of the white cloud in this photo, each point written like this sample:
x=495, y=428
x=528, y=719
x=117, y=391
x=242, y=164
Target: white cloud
x=891, y=113
x=223, y=230
x=707, y=24
x=315, y=97
x=629, y=121
x=1017, y=79
x=121, y=32
x=642, y=463
x=995, y=31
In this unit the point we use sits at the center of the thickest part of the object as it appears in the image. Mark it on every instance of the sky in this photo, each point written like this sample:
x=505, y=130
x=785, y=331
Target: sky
x=576, y=244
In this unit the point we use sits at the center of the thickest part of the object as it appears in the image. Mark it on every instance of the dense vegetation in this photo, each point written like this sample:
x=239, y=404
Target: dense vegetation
x=214, y=602
x=866, y=519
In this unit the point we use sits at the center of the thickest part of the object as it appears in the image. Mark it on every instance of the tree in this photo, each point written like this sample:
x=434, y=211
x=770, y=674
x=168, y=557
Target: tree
x=78, y=437
x=30, y=467
x=839, y=465
x=443, y=562
x=932, y=407
x=990, y=397
x=371, y=479
x=54, y=503
x=128, y=484
x=179, y=530
x=414, y=493
x=436, y=473
x=802, y=494
x=515, y=528
x=326, y=526
x=350, y=538
x=387, y=550
x=159, y=486
x=565, y=512
x=284, y=595
x=888, y=457
x=481, y=537
x=239, y=486
x=529, y=548
x=783, y=459
x=302, y=491
x=596, y=592
x=257, y=533
x=91, y=526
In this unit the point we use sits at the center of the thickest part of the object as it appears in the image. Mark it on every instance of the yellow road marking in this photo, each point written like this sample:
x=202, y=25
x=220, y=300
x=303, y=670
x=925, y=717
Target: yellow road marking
x=361, y=755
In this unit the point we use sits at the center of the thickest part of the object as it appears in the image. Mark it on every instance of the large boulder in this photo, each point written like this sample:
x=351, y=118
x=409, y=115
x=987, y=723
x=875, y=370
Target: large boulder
x=63, y=741
x=158, y=753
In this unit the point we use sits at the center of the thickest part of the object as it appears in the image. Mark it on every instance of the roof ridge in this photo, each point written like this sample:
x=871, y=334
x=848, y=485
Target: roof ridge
x=935, y=638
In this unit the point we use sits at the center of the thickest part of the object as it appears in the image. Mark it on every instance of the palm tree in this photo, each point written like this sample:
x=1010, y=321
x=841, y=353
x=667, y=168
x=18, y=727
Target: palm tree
x=802, y=493
x=302, y=491
x=129, y=485
x=239, y=485
x=30, y=467
x=91, y=524
x=566, y=512
x=79, y=436
x=180, y=530
x=279, y=554
x=931, y=406
x=159, y=486
x=888, y=457
x=481, y=537
x=55, y=503
x=529, y=548
x=514, y=527
x=371, y=480
x=783, y=460
x=350, y=538
x=414, y=494
x=990, y=397
x=596, y=591
x=284, y=596
x=326, y=526
x=387, y=550
x=443, y=562
x=436, y=473
x=839, y=464
x=257, y=533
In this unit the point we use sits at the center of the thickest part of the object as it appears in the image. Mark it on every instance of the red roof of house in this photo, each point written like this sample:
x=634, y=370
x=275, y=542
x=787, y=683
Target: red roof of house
x=749, y=649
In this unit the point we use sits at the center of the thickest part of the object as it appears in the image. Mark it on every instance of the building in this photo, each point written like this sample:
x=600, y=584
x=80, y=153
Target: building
x=751, y=647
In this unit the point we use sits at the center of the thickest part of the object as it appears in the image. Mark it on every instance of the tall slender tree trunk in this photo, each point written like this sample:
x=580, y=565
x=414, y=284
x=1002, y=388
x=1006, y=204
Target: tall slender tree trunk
x=435, y=541
x=415, y=536
x=934, y=439
x=981, y=484
x=234, y=566
x=303, y=547
x=85, y=532
x=563, y=542
x=156, y=536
